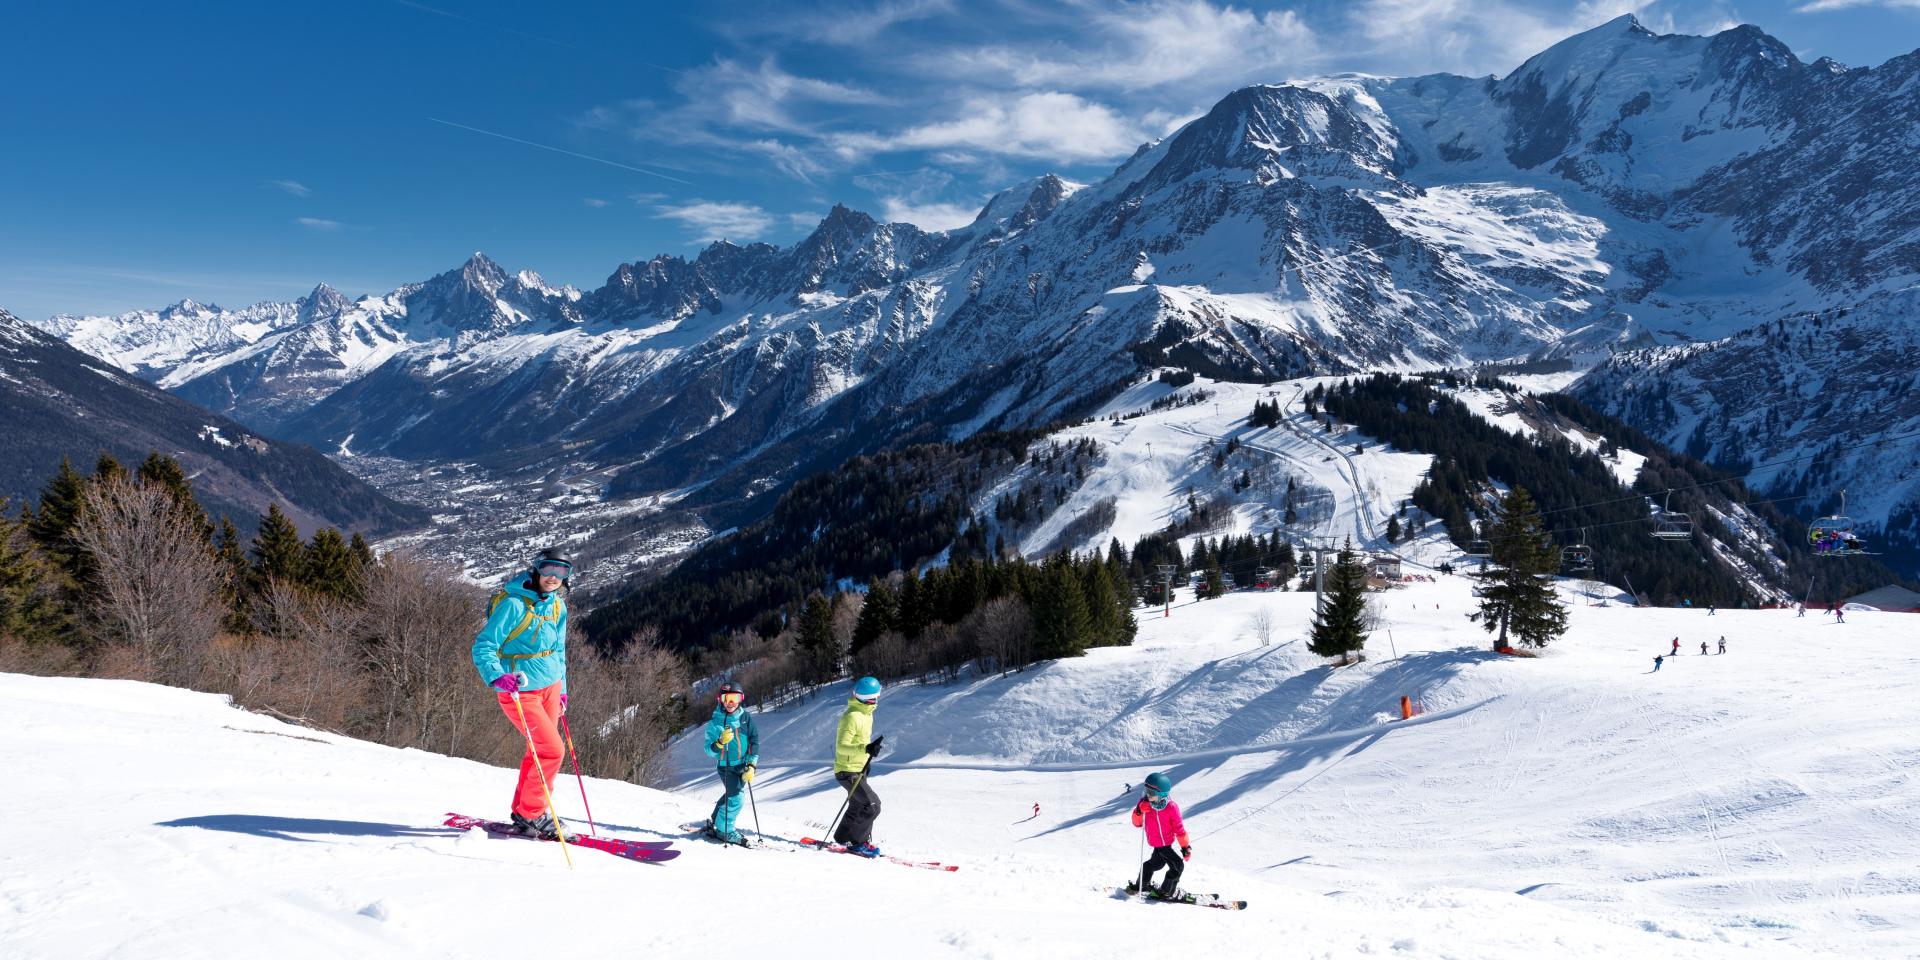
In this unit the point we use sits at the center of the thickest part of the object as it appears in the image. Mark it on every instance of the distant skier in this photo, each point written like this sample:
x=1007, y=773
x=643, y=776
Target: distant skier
x=733, y=741
x=1803, y=610
x=854, y=747
x=1676, y=647
x=1657, y=660
x=522, y=654
x=1712, y=608
x=1160, y=817
x=1839, y=615
x=1723, y=644
x=1703, y=648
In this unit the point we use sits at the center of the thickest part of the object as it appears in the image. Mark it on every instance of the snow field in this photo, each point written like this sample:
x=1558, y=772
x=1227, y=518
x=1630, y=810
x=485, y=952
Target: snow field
x=1575, y=805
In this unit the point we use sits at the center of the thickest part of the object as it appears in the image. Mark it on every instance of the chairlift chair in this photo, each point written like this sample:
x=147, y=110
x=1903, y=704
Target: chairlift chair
x=1579, y=557
x=1671, y=524
x=1479, y=547
x=1833, y=536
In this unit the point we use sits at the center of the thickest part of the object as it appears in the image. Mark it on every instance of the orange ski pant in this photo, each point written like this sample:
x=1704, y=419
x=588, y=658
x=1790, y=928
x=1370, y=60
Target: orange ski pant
x=543, y=717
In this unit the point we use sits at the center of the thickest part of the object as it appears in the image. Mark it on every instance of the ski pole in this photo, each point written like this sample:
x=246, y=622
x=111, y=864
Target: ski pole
x=534, y=755
x=1143, y=861
x=566, y=729
x=850, y=790
x=756, y=811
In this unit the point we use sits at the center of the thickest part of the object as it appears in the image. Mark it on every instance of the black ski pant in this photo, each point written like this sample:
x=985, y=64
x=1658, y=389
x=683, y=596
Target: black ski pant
x=863, y=808
x=1164, y=857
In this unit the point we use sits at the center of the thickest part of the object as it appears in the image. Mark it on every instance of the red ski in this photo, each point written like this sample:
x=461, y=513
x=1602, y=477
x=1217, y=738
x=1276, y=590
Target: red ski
x=645, y=851
x=843, y=848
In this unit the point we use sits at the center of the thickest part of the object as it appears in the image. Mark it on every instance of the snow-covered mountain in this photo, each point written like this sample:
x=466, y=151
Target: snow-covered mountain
x=60, y=402
x=1621, y=189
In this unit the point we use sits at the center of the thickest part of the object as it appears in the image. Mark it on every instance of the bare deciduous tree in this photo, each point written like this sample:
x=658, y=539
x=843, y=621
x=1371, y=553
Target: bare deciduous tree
x=418, y=630
x=156, y=585
x=1262, y=626
x=1001, y=631
x=623, y=708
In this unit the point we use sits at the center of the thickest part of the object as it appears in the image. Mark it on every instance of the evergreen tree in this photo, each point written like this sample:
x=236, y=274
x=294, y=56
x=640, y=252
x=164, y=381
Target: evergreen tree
x=53, y=524
x=233, y=573
x=1518, y=599
x=1393, y=529
x=363, y=558
x=876, y=615
x=277, y=551
x=1215, y=585
x=328, y=567
x=166, y=472
x=818, y=652
x=912, y=616
x=29, y=608
x=107, y=468
x=1340, y=628
x=1061, y=625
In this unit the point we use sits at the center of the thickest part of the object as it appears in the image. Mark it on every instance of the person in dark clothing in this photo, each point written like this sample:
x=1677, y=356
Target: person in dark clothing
x=1657, y=660
x=1703, y=648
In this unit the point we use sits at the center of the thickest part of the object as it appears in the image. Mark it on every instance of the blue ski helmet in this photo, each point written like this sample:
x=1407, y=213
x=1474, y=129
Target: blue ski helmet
x=1159, y=787
x=867, y=690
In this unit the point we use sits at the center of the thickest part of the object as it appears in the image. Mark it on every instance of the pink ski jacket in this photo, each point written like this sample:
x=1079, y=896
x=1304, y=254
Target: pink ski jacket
x=1164, y=827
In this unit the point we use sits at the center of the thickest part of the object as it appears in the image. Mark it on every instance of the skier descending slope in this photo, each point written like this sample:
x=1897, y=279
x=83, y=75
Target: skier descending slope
x=1160, y=817
x=732, y=740
x=854, y=747
x=522, y=654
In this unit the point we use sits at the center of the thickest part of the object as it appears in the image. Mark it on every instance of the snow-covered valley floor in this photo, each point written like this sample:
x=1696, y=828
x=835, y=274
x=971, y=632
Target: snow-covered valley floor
x=1757, y=803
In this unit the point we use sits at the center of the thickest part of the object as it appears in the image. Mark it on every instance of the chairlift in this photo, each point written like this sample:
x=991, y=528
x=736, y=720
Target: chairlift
x=1671, y=524
x=1833, y=536
x=1479, y=548
x=1579, y=557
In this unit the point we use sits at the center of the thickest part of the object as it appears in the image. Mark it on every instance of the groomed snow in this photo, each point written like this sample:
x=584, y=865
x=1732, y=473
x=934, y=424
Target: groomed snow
x=1759, y=803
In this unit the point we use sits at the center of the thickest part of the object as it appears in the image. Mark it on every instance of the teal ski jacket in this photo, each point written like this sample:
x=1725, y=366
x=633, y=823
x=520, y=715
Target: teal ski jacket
x=526, y=632
x=744, y=749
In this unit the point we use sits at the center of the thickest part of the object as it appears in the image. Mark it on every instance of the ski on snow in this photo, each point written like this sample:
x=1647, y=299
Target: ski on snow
x=698, y=831
x=645, y=851
x=1192, y=899
x=833, y=847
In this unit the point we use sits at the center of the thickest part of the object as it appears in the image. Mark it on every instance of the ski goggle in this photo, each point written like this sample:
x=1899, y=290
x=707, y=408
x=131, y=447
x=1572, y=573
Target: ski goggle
x=554, y=568
x=732, y=701
x=1158, y=801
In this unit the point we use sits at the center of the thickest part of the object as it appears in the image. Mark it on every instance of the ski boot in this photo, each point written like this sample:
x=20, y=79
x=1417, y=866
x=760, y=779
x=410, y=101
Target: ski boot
x=867, y=850
x=539, y=828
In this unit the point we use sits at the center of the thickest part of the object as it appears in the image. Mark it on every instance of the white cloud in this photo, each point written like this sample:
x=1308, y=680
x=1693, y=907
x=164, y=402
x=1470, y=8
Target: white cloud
x=806, y=220
x=294, y=187
x=1824, y=6
x=854, y=25
x=714, y=220
x=594, y=202
x=1053, y=125
x=1474, y=37
x=319, y=225
x=1139, y=46
x=927, y=216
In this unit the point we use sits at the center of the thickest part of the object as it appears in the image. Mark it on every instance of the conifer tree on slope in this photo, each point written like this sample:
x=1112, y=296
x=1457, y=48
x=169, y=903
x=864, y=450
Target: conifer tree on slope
x=1340, y=628
x=1517, y=599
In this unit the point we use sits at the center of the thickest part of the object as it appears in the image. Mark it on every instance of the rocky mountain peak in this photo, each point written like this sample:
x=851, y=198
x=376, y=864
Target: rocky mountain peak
x=1275, y=132
x=324, y=301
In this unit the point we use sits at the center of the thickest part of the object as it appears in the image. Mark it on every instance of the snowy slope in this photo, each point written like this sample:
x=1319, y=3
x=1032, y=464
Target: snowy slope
x=1570, y=806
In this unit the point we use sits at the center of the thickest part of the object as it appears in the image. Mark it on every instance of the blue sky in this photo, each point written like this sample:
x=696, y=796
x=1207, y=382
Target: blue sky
x=246, y=150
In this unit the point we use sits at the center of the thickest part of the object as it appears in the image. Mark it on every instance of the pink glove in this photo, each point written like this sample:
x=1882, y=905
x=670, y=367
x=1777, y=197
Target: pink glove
x=508, y=683
x=563, y=703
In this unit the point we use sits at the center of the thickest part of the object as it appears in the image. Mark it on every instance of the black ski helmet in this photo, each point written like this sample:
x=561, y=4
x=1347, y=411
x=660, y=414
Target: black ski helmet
x=730, y=689
x=553, y=555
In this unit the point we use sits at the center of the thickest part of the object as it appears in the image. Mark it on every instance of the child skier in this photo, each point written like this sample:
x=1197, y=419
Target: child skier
x=1657, y=660
x=854, y=747
x=732, y=740
x=1703, y=648
x=1160, y=817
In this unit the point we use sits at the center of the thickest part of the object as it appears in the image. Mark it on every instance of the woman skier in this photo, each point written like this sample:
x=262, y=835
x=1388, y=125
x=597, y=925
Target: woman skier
x=1160, y=817
x=732, y=740
x=522, y=654
x=854, y=747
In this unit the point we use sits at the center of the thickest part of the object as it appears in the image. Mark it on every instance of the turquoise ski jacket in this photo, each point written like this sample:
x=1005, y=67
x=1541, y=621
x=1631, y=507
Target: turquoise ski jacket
x=744, y=749
x=525, y=633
